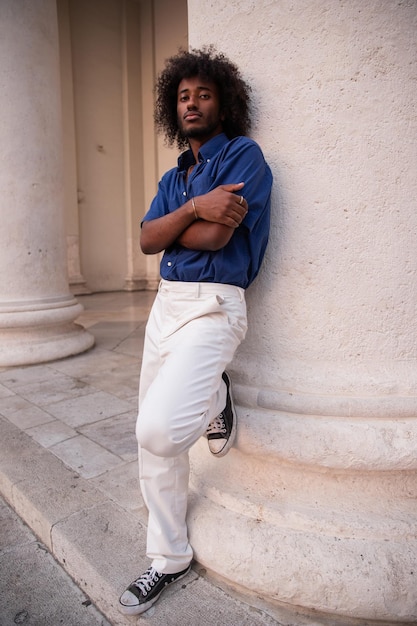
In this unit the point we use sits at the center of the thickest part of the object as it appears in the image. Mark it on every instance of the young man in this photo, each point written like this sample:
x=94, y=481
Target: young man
x=211, y=219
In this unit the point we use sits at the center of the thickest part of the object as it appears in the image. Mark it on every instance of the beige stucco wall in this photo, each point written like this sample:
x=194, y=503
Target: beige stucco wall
x=323, y=511
x=110, y=54
x=98, y=99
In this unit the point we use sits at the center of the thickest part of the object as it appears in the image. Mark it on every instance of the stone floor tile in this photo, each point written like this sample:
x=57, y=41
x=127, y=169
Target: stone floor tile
x=116, y=434
x=5, y=392
x=29, y=417
x=122, y=381
x=134, y=302
x=51, y=433
x=42, y=489
x=133, y=401
x=113, y=339
x=13, y=403
x=88, y=409
x=96, y=360
x=85, y=457
x=17, y=376
x=132, y=345
x=105, y=341
x=54, y=390
x=121, y=484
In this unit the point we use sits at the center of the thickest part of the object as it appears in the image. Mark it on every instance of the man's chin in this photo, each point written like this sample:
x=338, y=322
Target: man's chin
x=199, y=132
x=195, y=133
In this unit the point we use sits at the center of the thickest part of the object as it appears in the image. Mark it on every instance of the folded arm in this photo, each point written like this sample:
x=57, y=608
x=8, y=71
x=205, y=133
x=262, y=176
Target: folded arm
x=220, y=211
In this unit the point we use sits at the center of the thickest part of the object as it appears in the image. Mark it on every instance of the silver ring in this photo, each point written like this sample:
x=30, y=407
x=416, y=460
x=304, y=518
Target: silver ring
x=241, y=200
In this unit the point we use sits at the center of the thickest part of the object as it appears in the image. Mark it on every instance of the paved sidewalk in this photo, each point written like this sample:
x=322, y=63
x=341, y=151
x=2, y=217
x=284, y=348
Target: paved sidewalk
x=68, y=466
x=35, y=590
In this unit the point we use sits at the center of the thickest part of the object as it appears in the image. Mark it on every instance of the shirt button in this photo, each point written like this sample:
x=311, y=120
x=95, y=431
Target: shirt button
x=184, y=193
x=208, y=160
x=169, y=263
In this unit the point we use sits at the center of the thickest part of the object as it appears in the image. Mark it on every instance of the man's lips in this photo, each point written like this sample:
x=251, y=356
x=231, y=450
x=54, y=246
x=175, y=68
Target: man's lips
x=191, y=114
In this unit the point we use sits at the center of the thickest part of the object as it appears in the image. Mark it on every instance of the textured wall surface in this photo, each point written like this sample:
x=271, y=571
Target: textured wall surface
x=326, y=382
x=334, y=95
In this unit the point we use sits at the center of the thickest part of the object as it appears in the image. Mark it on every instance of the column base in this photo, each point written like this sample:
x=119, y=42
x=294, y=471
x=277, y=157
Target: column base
x=78, y=286
x=135, y=284
x=314, y=514
x=41, y=331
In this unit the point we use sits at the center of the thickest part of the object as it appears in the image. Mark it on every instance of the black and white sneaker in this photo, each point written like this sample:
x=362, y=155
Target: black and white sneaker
x=221, y=432
x=145, y=590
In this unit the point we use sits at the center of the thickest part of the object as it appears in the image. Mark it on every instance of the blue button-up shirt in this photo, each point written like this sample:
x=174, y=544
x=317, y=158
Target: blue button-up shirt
x=220, y=162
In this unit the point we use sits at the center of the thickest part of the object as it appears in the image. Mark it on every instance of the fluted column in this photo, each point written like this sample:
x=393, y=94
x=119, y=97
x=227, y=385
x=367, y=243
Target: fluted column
x=37, y=311
x=314, y=511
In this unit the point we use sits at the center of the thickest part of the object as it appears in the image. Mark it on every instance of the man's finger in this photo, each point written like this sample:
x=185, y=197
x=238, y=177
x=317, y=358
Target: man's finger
x=233, y=187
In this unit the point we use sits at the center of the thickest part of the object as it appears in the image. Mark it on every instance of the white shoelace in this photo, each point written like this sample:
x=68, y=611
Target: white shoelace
x=216, y=426
x=145, y=582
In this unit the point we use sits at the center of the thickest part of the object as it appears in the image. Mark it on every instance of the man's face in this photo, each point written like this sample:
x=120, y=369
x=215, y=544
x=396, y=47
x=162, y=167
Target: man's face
x=198, y=109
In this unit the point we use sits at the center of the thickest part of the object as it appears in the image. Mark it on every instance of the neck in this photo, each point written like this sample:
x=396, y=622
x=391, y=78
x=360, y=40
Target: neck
x=195, y=146
x=196, y=143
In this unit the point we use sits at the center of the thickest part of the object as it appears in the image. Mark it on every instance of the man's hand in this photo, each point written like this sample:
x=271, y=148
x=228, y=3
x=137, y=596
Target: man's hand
x=220, y=212
x=222, y=205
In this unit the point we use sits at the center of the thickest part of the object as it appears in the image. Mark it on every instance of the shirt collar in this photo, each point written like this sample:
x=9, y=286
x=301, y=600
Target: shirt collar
x=207, y=151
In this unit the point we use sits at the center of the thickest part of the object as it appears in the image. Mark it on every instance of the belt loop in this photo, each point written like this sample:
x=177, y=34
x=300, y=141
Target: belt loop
x=197, y=290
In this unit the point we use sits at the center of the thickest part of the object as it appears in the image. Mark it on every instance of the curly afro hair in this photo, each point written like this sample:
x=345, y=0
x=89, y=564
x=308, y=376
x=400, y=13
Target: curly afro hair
x=210, y=65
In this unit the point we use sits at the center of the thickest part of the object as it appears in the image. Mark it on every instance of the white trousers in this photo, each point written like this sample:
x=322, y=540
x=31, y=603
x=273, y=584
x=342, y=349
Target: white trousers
x=191, y=336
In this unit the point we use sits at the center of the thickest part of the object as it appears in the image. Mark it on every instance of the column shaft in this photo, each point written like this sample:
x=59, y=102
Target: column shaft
x=37, y=311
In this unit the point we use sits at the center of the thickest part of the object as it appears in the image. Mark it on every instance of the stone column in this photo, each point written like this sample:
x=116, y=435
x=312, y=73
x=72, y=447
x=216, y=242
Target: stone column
x=37, y=311
x=314, y=511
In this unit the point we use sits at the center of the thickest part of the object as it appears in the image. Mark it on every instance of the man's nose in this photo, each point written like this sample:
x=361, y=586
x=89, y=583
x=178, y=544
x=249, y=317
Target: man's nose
x=192, y=103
